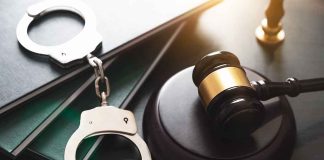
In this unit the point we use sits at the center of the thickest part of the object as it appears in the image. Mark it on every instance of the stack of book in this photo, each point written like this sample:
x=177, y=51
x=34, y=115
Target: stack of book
x=41, y=103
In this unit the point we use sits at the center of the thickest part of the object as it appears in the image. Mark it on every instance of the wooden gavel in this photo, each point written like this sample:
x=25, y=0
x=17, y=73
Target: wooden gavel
x=270, y=31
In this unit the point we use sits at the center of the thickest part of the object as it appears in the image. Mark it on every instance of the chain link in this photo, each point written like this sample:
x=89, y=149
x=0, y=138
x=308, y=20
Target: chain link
x=104, y=83
x=101, y=79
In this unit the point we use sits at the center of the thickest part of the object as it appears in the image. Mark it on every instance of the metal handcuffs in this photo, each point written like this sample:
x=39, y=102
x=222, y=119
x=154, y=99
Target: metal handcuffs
x=97, y=121
x=71, y=51
x=106, y=120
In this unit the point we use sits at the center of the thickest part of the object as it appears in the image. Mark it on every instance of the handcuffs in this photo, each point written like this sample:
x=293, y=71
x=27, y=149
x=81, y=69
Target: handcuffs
x=97, y=121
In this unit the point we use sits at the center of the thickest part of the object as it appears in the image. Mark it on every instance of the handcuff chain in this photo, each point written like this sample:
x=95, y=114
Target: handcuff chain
x=96, y=64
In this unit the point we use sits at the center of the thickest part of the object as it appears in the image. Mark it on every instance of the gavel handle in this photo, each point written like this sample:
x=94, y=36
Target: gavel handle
x=292, y=87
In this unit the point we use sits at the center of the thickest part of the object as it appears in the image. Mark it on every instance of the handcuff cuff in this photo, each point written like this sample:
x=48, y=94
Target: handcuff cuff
x=72, y=51
x=99, y=120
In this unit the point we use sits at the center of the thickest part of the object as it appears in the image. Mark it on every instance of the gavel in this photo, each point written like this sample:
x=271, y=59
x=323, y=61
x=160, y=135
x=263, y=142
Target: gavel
x=231, y=101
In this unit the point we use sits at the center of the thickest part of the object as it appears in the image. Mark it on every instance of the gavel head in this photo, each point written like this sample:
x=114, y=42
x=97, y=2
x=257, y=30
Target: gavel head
x=228, y=98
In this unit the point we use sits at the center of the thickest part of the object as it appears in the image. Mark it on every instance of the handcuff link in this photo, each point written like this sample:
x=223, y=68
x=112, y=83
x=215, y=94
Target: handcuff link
x=96, y=64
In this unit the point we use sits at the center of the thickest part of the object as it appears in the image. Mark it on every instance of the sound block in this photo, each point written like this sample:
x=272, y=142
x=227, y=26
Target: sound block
x=176, y=126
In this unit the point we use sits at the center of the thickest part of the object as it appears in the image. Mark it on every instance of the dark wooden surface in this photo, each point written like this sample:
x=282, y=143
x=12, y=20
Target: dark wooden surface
x=230, y=26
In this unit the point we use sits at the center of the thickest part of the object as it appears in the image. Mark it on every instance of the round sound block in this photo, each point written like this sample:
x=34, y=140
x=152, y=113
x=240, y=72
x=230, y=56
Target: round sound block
x=176, y=127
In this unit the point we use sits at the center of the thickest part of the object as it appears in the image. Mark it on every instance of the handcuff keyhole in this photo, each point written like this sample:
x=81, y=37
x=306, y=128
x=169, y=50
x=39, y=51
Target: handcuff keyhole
x=126, y=120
